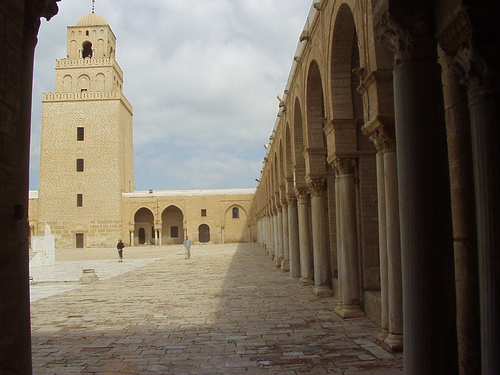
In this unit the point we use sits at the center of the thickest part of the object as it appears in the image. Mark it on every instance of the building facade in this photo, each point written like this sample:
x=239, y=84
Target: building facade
x=86, y=183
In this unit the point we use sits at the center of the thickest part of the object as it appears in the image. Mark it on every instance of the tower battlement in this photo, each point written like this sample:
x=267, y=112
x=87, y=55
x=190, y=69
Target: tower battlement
x=86, y=95
x=102, y=61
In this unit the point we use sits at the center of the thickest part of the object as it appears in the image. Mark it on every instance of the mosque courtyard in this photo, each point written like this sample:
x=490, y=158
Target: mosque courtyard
x=227, y=310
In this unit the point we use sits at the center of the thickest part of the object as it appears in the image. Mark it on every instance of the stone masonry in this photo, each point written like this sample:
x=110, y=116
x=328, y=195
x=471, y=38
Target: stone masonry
x=227, y=310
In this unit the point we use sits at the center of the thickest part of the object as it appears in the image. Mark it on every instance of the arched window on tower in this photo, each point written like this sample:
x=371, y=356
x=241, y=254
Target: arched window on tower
x=87, y=49
x=236, y=213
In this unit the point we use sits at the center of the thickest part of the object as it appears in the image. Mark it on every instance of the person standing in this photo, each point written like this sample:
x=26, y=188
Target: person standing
x=120, y=247
x=187, y=245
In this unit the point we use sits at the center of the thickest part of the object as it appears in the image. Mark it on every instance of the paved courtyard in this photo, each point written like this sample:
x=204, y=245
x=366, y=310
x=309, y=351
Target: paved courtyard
x=227, y=310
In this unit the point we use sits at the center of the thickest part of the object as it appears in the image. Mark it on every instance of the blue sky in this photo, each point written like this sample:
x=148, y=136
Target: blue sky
x=202, y=77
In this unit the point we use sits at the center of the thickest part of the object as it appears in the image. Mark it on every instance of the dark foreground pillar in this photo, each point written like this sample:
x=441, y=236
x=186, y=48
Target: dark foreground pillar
x=484, y=104
x=430, y=341
x=20, y=21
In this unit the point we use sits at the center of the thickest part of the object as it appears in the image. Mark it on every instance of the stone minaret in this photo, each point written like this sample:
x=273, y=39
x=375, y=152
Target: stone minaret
x=86, y=154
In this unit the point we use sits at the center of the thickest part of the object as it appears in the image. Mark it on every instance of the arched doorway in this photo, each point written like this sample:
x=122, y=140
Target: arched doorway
x=172, y=220
x=142, y=236
x=143, y=226
x=204, y=233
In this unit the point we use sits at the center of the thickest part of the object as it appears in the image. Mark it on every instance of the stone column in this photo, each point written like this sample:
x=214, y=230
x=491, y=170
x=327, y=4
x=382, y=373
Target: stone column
x=279, y=234
x=271, y=233
x=285, y=263
x=479, y=62
x=132, y=239
x=389, y=238
x=340, y=259
x=424, y=192
x=382, y=240
x=260, y=231
x=306, y=255
x=276, y=243
x=464, y=214
x=322, y=288
x=293, y=235
x=264, y=230
x=265, y=226
x=349, y=240
x=394, y=340
x=159, y=237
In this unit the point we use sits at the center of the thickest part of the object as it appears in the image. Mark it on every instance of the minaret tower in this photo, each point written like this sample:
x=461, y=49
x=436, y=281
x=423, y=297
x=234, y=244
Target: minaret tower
x=86, y=154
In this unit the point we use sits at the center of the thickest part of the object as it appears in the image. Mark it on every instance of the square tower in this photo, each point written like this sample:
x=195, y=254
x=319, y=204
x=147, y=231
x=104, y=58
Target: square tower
x=86, y=153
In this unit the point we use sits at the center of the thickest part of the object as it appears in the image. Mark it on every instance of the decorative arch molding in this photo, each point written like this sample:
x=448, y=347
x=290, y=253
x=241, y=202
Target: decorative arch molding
x=174, y=206
x=240, y=207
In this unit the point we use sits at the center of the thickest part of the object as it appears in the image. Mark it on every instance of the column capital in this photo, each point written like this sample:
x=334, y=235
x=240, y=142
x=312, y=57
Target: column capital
x=478, y=71
x=284, y=202
x=344, y=165
x=384, y=139
x=277, y=206
x=301, y=192
x=317, y=187
x=455, y=33
x=291, y=200
x=409, y=32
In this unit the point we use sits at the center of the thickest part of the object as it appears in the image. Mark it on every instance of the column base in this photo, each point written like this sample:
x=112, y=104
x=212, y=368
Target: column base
x=351, y=311
x=382, y=336
x=306, y=281
x=285, y=265
x=277, y=261
x=393, y=343
x=322, y=291
x=339, y=308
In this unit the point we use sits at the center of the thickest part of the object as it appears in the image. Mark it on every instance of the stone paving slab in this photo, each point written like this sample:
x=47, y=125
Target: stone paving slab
x=227, y=310
x=65, y=275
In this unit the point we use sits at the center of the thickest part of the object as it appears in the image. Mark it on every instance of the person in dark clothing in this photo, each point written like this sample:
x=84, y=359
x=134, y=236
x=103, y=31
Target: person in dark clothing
x=120, y=247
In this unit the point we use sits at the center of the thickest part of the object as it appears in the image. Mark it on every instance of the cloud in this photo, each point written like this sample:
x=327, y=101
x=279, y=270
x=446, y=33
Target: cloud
x=202, y=76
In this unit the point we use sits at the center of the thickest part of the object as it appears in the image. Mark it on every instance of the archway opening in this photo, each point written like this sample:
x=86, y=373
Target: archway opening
x=87, y=49
x=143, y=226
x=172, y=220
x=204, y=233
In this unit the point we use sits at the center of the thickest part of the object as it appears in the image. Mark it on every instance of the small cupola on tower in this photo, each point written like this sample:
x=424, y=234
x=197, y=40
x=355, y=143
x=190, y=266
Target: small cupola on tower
x=91, y=37
x=90, y=64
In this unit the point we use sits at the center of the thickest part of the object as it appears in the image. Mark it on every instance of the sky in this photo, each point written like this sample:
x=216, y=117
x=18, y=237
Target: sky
x=202, y=77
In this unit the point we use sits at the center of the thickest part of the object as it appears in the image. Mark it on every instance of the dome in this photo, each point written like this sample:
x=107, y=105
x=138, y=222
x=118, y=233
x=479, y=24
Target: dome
x=92, y=19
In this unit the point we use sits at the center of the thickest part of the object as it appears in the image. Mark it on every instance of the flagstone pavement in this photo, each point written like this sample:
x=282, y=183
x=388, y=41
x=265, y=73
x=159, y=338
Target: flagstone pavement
x=227, y=310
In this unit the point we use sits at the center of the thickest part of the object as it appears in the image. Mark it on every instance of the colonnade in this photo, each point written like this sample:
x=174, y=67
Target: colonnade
x=397, y=190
